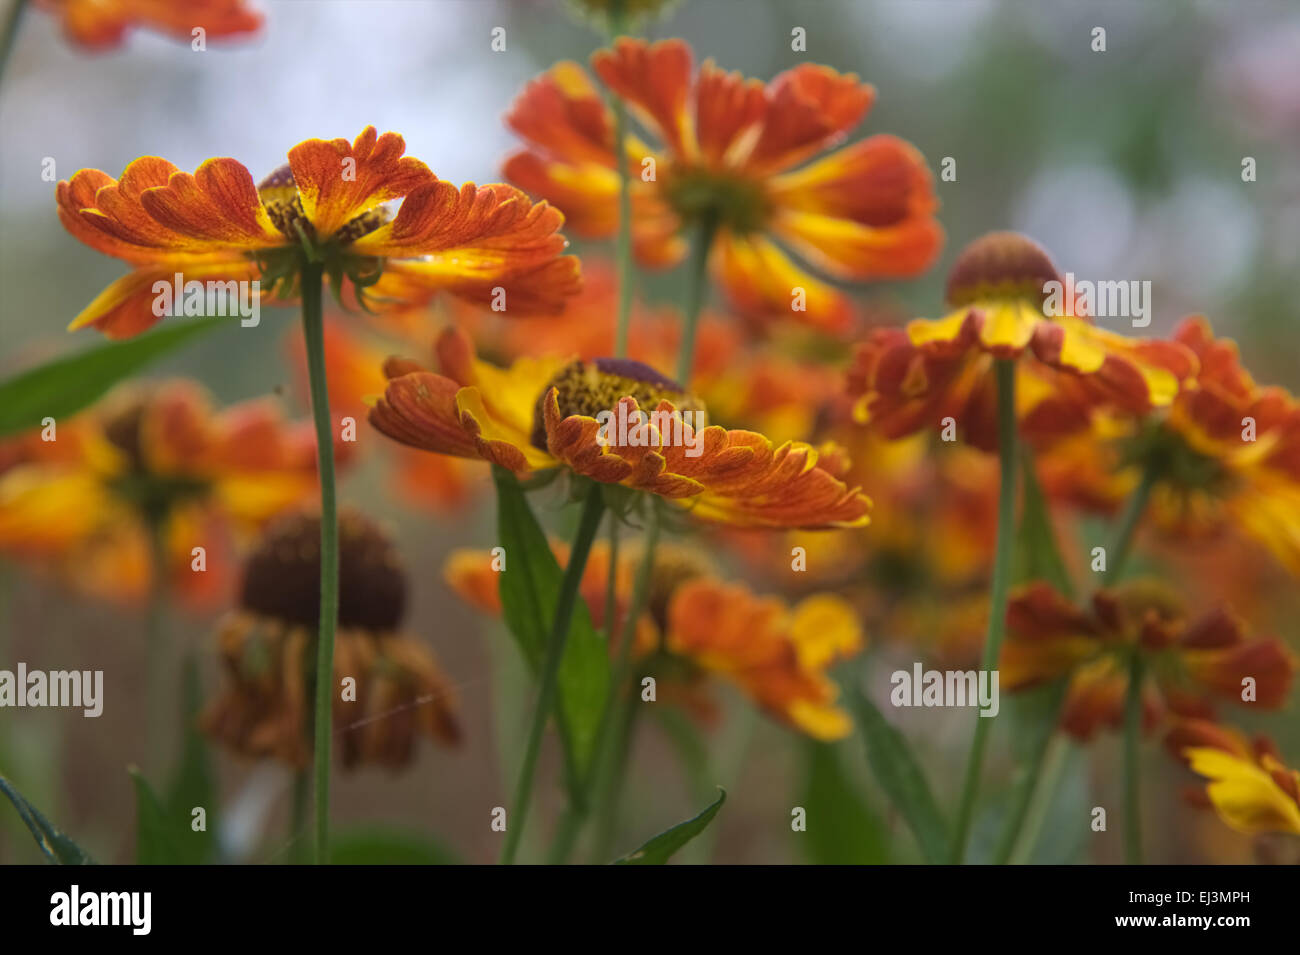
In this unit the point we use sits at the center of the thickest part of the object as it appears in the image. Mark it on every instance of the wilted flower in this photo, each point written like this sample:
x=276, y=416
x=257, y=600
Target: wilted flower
x=268, y=647
x=1189, y=662
x=546, y=413
x=329, y=204
x=726, y=163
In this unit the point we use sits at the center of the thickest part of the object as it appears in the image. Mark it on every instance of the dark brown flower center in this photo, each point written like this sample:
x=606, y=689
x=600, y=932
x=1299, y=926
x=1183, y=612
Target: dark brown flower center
x=590, y=387
x=282, y=577
x=1000, y=265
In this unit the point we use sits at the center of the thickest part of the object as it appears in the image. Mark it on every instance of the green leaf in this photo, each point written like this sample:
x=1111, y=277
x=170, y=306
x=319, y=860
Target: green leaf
x=529, y=588
x=661, y=848
x=902, y=780
x=52, y=841
x=66, y=385
x=194, y=785
x=154, y=842
x=842, y=829
x=388, y=845
x=1037, y=555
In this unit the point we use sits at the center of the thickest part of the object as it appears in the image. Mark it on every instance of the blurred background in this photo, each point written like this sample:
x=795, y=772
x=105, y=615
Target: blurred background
x=1123, y=163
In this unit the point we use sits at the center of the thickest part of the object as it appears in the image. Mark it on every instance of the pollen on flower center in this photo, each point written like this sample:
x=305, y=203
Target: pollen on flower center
x=590, y=387
x=282, y=577
x=1000, y=265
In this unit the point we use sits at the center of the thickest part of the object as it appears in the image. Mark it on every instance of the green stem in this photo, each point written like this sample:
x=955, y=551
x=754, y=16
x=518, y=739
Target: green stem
x=1119, y=552
x=9, y=33
x=1132, y=776
x=1036, y=788
x=1128, y=524
x=616, y=725
x=1006, y=377
x=592, y=509
x=322, y=738
x=696, y=293
x=1043, y=790
x=623, y=249
x=298, y=814
x=155, y=626
x=611, y=580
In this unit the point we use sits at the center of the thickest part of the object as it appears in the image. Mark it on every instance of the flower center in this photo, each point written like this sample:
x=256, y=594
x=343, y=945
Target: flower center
x=723, y=198
x=1175, y=461
x=1000, y=265
x=279, y=194
x=282, y=577
x=590, y=387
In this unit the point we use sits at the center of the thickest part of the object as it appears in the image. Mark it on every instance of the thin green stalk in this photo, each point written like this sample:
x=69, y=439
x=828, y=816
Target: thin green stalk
x=1050, y=766
x=1128, y=524
x=625, y=719
x=592, y=509
x=1132, y=776
x=1020, y=834
x=298, y=814
x=9, y=33
x=1006, y=377
x=623, y=248
x=155, y=644
x=696, y=293
x=322, y=738
x=608, y=764
x=611, y=580
x=1118, y=555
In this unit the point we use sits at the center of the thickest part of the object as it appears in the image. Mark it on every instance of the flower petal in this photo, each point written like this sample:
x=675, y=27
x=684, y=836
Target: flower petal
x=338, y=181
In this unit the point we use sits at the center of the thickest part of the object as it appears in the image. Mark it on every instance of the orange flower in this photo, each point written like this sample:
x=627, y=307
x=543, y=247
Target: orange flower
x=1250, y=788
x=905, y=381
x=756, y=385
x=1225, y=458
x=267, y=647
x=696, y=625
x=102, y=24
x=729, y=148
x=1188, y=662
x=328, y=204
x=85, y=502
x=548, y=413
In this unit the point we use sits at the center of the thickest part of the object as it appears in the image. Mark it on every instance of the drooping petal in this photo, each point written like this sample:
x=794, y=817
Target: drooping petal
x=157, y=213
x=140, y=299
x=732, y=477
x=563, y=115
x=1246, y=796
x=763, y=281
x=866, y=211
x=654, y=79
x=809, y=108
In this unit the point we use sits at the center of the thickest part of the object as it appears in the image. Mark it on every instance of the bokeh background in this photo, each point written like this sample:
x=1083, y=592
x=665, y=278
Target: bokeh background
x=1125, y=163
